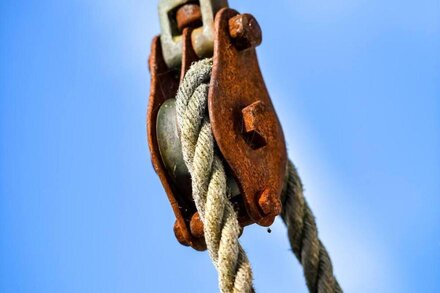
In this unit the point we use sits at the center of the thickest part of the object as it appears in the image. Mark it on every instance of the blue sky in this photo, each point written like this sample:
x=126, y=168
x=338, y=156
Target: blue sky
x=356, y=86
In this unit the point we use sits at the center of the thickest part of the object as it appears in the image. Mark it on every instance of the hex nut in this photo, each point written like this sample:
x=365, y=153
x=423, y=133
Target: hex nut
x=188, y=15
x=245, y=31
x=269, y=203
x=196, y=226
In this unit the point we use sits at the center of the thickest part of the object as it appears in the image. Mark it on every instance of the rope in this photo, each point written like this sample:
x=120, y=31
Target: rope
x=221, y=227
x=303, y=237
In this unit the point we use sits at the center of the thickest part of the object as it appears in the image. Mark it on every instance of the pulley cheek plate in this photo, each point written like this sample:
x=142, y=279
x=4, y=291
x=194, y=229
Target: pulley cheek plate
x=164, y=85
x=244, y=123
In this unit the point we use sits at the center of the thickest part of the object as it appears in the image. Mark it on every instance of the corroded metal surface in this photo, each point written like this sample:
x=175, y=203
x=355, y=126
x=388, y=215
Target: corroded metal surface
x=245, y=31
x=188, y=15
x=244, y=122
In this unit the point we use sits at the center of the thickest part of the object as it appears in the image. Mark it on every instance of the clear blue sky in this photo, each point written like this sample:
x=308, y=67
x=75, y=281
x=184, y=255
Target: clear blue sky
x=357, y=88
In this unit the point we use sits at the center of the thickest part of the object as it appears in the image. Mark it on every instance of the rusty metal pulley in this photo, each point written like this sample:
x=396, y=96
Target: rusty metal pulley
x=244, y=123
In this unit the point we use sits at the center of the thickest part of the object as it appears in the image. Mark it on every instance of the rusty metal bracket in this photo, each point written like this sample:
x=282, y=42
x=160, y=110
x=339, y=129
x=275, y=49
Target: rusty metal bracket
x=244, y=124
x=243, y=120
x=164, y=85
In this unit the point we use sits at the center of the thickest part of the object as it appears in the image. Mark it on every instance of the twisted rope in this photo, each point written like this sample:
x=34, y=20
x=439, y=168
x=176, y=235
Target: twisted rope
x=303, y=237
x=208, y=178
x=221, y=227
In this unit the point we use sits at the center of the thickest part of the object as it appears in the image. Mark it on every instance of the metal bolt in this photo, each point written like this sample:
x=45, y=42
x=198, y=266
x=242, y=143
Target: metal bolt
x=196, y=226
x=188, y=15
x=245, y=30
x=253, y=120
x=269, y=203
x=253, y=116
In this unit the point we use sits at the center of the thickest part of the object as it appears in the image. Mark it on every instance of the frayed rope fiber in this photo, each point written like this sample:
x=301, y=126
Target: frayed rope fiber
x=221, y=227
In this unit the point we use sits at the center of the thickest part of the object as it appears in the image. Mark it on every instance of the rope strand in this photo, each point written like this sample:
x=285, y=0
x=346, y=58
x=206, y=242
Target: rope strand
x=221, y=227
x=303, y=237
